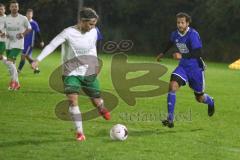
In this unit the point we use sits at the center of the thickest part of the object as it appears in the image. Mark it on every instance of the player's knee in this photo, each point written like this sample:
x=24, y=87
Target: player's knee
x=199, y=98
x=73, y=99
x=173, y=86
x=10, y=60
x=23, y=57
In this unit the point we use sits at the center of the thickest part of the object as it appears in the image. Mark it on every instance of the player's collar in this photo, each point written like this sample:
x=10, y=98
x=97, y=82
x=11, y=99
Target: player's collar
x=14, y=16
x=184, y=33
x=78, y=29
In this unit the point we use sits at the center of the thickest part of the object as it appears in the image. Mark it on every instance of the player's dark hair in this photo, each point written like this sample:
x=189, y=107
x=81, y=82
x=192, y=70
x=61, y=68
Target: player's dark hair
x=87, y=14
x=29, y=10
x=2, y=5
x=184, y=15
x=13, y=1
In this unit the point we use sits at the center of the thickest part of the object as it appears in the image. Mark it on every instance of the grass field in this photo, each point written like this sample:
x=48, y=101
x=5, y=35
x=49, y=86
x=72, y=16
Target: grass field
x=29, y=128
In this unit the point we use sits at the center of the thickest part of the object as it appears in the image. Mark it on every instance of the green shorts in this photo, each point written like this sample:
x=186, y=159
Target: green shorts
x=2, y=47
x=89, y=84
x=13, y=53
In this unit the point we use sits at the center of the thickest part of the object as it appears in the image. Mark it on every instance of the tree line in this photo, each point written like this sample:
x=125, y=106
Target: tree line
x=148, y=23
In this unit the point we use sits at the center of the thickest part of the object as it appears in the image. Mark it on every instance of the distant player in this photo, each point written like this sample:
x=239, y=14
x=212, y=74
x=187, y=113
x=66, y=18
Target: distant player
x=78, y=42
x=29, y=41
x=2, y=33
x=17, y=26
x=190, y=69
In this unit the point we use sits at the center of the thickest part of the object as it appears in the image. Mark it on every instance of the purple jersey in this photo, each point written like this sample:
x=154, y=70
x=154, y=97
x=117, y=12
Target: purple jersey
x=29, y=39
x=99, y=35
x=186, y=44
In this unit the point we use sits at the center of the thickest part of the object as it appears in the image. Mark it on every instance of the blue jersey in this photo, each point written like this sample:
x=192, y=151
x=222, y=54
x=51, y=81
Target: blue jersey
x=99, y=35
x=186, y=44
x=29, y=39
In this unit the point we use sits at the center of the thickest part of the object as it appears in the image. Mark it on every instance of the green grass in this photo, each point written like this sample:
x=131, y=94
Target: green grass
x=29, y=128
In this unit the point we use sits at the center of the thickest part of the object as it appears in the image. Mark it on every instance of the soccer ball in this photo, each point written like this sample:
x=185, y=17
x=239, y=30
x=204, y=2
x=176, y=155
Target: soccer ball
x=119, y=132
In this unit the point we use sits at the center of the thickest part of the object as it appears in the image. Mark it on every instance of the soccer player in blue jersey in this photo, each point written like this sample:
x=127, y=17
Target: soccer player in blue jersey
x=29, y=41
x=190, y=69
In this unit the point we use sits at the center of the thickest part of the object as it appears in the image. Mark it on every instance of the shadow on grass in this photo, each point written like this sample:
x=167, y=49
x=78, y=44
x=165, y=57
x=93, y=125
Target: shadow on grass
x=140, y=133
x=161, y=132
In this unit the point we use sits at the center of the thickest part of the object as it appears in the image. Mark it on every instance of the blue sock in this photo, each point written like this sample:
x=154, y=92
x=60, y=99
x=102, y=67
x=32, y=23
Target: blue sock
x=208, y=100
x=21, y=64
x=171, y=100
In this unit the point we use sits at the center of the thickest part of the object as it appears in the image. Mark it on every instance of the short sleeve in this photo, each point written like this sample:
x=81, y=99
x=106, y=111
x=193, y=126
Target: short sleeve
x=36, y=27
x=99, y=35
x=26, y=24
x=195, y=40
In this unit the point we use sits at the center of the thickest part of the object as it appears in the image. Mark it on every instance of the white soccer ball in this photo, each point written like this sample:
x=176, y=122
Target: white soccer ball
x=119, y=132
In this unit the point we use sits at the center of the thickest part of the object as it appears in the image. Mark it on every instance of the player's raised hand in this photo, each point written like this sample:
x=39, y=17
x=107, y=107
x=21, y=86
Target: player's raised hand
x=35, y=64
x=177, y=56
x=159, y=57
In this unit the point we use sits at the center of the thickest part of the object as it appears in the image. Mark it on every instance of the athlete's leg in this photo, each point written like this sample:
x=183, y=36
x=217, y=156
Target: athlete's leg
x=178, y=79
x=22, y=62
x=2, y=50
x=30, y=60
x=11, y=58
x=27, y=49
x=197, y=83
x=76, y=115
x=90, y=86
x=72, y=88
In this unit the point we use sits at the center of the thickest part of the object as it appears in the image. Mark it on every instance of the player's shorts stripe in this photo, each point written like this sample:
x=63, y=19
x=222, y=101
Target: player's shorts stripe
x=203, y=78
x=180, y=77
x=28, y=50
x=33, y=38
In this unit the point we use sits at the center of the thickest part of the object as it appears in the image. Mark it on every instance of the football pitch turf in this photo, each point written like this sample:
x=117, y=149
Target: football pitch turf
x=29, y=128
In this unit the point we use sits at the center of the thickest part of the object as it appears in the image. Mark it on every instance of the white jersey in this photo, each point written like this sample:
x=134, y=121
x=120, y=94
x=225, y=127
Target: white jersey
x=2, y=29
x=77, y=47
x=14, y=26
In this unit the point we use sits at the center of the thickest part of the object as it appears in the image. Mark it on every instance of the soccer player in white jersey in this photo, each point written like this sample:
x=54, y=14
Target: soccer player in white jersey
x=78, y=42
x=2, y=32
x=17, y=26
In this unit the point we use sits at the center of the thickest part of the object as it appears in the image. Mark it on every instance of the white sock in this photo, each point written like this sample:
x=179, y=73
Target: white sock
x=12, y=70
x=76, y=117
x=9, y=66
x=101, y=104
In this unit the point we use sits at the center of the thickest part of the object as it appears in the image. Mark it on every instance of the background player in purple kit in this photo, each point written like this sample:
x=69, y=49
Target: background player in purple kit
x=191, y=66
x=29, y=41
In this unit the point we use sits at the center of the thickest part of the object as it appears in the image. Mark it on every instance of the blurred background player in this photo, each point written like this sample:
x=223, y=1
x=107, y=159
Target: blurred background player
x=190, y=69
x=29, y=41
x=17, y=26
x=2, y=33
x=78, y=42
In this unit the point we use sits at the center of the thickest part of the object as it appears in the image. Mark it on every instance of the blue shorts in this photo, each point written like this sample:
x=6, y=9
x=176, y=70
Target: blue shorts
x=194, y=76
x=27, y=50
